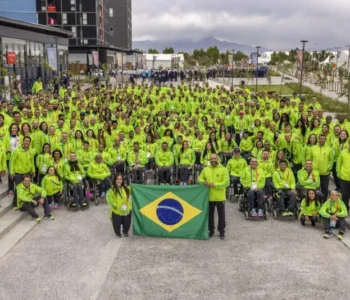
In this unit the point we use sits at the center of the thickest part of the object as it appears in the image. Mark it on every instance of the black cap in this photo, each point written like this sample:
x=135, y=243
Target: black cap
x=237, y=150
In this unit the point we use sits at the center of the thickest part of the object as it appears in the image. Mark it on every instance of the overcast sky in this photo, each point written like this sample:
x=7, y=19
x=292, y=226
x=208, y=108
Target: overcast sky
x=275, y=24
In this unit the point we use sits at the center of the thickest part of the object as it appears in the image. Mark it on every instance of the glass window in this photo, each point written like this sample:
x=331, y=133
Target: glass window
x=111, y=12
x=64, y=18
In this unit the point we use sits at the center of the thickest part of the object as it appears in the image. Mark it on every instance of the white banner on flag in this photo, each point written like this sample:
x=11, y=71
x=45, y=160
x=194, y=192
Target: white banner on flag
x=52, y=58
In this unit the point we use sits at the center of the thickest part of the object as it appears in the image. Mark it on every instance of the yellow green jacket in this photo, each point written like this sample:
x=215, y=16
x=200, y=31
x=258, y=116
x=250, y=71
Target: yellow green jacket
x=52, y=185
x=309, y=181
x=220, y=177
x=22, y=161
x=27, y=195
x=85, y=157
x=43, y=162
x=98, y=171
x=343, y=165
x=74, y=176
x=142, y=157
x=235, y=166
x=322, y=159
x=280, y=178
x=117, y=154
x=333, y=207
x=186, y=158
x=116, y=199
x=164, y=158
x=248, y=176
x=267, y=166
x=314, y=207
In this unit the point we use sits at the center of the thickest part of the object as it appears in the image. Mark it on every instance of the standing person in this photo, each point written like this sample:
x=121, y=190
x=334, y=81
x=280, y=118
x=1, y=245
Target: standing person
x=216, y=177
x=118, y=197
x=26, y=199
x=343, y=172
x=21, y=164
x=334, y=212
x=322, y=157
x=53, y=186
x=37, y=86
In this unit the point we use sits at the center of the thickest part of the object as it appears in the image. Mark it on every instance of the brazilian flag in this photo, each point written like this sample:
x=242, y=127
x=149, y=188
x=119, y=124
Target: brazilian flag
x=170, y=211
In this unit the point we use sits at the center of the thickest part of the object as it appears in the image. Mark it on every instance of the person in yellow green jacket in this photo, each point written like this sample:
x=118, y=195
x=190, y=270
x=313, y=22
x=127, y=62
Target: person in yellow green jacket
x=343, y=171
x=310, y=179
x=37, y=86
x=322, y=157
x=333, y=213
x=85, y=156
x=164, y=160
x=44, y=161
x=27, y=201
x=309, y=208
x=185, y=161
x=226, y=147
x=118, y=198
x=21, y=163
x=216, y=177
x=99, y=171
x=246, y=145
x=53, y=186
x=118, y=156
x=74, y=173
x=137, y=159
x=284, y=181
x=266, y=164
x=58, y=162
x=235, y=166
x=253, y=180
x=106, y=157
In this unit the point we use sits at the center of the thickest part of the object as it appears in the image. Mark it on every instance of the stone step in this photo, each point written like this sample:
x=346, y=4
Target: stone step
x=16, y=234
x=9, y=220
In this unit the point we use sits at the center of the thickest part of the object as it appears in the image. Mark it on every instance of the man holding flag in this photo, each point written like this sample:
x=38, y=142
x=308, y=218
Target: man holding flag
x=216, y=177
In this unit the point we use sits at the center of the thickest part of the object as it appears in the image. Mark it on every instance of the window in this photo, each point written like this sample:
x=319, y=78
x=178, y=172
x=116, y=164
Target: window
x=64, y=18
x=84, y=19
x=85, y=42
x=111, y=12
x=111, y=30
x=74, y=31
x=72, y=2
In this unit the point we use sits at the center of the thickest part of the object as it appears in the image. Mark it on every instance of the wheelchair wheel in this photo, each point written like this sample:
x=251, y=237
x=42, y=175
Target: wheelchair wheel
x=269, y=204
x=274, y=214
x=240, y=204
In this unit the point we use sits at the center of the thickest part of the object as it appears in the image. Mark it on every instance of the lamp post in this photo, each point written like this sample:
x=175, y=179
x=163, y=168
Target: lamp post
x=302, y=67
x=233, y=53
x=257, y=68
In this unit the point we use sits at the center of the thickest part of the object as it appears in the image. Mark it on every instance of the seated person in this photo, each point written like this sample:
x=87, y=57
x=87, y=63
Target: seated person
x=253, y=179
x=333, y=213
x=99, y=171
x=137, y=159
x=266, y=164
x=284, y=181
x=118, y=156
x=164, y=161
x=309, y=208
x=74, y=173
x=235, y=166
x=26, y=195
x=309, y=179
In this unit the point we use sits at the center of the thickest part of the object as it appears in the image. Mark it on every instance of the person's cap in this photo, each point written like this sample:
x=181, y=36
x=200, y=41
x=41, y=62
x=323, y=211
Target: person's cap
x=236, y=150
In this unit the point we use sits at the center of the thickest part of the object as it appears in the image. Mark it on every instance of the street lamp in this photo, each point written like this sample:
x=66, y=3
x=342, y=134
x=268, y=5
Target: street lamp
x=233, y=53
x=302, y=67
x=257, y=68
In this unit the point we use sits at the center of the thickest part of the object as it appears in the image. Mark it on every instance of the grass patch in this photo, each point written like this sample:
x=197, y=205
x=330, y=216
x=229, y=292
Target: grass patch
x=283, y=90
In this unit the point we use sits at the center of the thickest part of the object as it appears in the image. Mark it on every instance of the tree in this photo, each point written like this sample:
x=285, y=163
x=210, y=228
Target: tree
x=239, y=56
x=153, y=51
x=169, y=50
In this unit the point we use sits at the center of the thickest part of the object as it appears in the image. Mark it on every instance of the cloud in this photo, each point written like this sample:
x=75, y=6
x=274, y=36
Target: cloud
x=275, y=24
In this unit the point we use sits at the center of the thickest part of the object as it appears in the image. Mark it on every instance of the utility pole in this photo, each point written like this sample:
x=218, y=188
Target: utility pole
x=257, y=68
x=302, y=67
x=233, y=53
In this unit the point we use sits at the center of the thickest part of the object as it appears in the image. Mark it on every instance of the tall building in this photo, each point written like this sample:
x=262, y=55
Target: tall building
x=23, y=10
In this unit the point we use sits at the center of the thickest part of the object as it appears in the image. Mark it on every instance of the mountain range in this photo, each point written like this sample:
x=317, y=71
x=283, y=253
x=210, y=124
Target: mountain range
x=188, y=45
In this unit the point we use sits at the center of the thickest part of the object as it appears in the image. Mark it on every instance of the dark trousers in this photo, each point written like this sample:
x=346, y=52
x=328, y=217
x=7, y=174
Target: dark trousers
x=53, y=198
x=340, y=224
x=291, y=200
x=313, y=219
x=29, y=207
x=237, y=138
x=105, y=184
x=17, y=180
x=151, y=163
x=119, y=167
x=118, y=221
x=324, y=179
x=296, y=168
x=259, y=203
x=198, y=158
x=220, y=206
x=335, y=176
x=184, y=173
x=78, y=193
x=164, y=174
x=11, y=182
x=137, y=174
x=345, y=190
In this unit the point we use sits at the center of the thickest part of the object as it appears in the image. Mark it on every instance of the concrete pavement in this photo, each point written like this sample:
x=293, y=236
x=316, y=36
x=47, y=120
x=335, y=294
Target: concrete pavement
x=77, y=256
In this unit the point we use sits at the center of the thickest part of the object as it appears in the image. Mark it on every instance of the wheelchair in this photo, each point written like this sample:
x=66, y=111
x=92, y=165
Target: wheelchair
x=130, y=179
x=67, y=195
x=274, y=206
x=192, y=178
x=244, y=206
x=172, y=175
x=93, y=190
x=231, y=194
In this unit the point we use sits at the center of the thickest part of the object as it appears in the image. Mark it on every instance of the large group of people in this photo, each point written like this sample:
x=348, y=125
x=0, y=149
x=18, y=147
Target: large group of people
x=266, y=145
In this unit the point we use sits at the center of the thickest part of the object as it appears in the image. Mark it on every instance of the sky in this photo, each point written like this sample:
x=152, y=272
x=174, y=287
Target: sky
x=274, y=24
